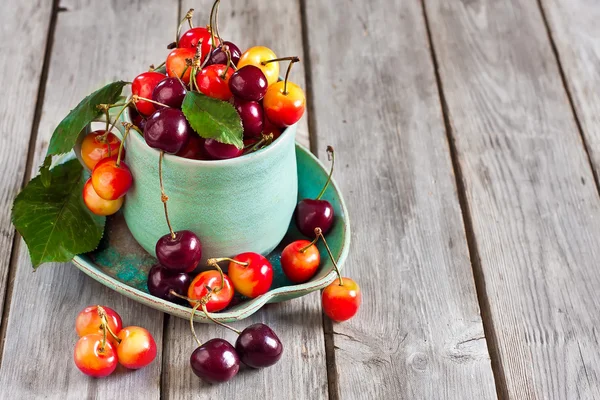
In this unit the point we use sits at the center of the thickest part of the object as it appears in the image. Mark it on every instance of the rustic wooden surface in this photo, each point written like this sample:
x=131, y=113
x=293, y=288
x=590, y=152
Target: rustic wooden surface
x=462, y=131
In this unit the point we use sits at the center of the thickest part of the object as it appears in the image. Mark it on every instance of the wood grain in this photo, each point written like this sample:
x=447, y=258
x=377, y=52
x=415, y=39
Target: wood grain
x=531, y=196
x=21, y=68
x=419, y=334
x=95, y=42
x=301, y=373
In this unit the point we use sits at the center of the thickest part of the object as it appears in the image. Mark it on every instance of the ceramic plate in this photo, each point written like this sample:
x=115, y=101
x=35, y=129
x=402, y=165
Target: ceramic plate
x=122, y=265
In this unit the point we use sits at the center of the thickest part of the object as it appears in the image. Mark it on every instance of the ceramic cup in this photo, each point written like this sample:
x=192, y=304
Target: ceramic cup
x=236, y=205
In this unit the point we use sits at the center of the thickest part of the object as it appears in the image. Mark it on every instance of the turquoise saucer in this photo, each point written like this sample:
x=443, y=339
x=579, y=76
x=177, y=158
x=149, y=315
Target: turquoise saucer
x=122, y=265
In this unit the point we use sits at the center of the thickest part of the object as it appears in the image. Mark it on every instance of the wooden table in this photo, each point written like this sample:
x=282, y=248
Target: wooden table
x=468, y=139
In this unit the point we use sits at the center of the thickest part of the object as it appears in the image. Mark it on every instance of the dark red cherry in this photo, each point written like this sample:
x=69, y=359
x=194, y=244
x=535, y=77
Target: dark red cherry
x=162, y=281
x=167, y=130
x=215, y=361
x=180, y=254
x=248, y=83
x=218, y=56
x=221, y=151
x=251, y=113
x=311, y=214
x=258, y=346
x=194, y=149
x=169, y=91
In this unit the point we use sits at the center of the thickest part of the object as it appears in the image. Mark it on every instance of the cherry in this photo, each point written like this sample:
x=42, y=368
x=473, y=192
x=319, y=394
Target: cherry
x=248, y=83
x=300, y=260
x=341, y=299
x=258, y=346
x=194, y=149
x=317, y=213
x=95, y=145
x=220, y=297
x=179, y=251
x=213, y=81
x=169, y=91
x=143, y=85
x=269, y=128
x=176, y=64
x=215, y=361
x=198, y=36
x=258, y=56
x=89, y=321
x=167, y=130
x=97, y=204
x=94, y=356
x=251, y=114
x=218, y=56
x=136, y=348
x=137, y=119
x=221, y=151
x=285, y=102
x=111, y=178
x=251, y=274
x=162, y=282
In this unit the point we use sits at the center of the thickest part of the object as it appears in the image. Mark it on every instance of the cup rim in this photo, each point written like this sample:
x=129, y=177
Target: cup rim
x=213, y=163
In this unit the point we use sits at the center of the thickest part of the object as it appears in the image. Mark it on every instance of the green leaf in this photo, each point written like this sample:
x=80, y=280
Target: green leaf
x=45, y=175
x=66, y=133
x=54, y=221
x=213, y=119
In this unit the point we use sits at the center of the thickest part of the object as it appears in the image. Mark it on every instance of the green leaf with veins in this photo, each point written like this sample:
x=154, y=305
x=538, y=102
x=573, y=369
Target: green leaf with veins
x=213, y=119
x=66, y=133
x=54, y=221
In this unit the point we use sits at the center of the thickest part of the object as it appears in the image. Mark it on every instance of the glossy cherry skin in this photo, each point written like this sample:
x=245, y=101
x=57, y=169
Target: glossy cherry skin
x=284, y=109
x=311, y=214
x=221, y=151
x=167, y=130
x=111, y=181
x=136, y=118
x=341, y=302
x=169, y=91
x=218, y=56
x=212, y=279
x=300, y=266
x=176, y=63
x=162, y=281
x=97, y=204
x=258, y=346
x=215, y=361
x=89, y=321
x=248, y=83
x=254, y=279
x=181, y=254
x=213, y=81
x=198, y=35
x=256, y=56
x=92, y=359
x=251, y=114
x=94, y=149
x=137, y=348
x=143, y=85
x=194, y=149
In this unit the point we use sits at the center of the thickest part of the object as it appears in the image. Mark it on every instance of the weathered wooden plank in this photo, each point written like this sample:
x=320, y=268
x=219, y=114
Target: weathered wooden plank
x=419, y=334
x=20, y=80
x=576, y=34
x=301, y=373
x=95, y=42
x=531, y=196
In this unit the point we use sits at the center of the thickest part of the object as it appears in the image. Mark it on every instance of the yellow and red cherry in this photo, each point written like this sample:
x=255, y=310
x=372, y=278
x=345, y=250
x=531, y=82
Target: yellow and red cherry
x=137, y=347
x=259, y=57
x=95, y=146
x=341, y=300
x=198, y=36
x=143, y=85
x=284, y=104
x=177, y=66
x=94, y=356
x=251, y=274
x=89, y=321
x=97, y=204
x=300, y=260
x=211, y=280
x=111, y=178
x=213, y=81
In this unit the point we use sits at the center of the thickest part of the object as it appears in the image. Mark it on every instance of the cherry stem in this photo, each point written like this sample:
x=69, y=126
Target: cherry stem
x=330, y=157
x=153, y=68
x=105, y=326
x=188, y=17
x=287, y=74
x=192, y=323
x=213, y=262
x=319, y=233
x=108, y=129
x=213, y=26
x=315, y=240
x=265, y=139
x=128, y=127
x=225, y=48
x=231, y=328
x=133, y=127
x=137, y=98
x=163, y=197
x=291, y=58
x=217, y=22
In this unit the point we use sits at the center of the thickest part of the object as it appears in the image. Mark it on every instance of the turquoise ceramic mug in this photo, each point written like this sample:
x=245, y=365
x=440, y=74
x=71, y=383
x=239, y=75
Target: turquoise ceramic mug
x=236, y=205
